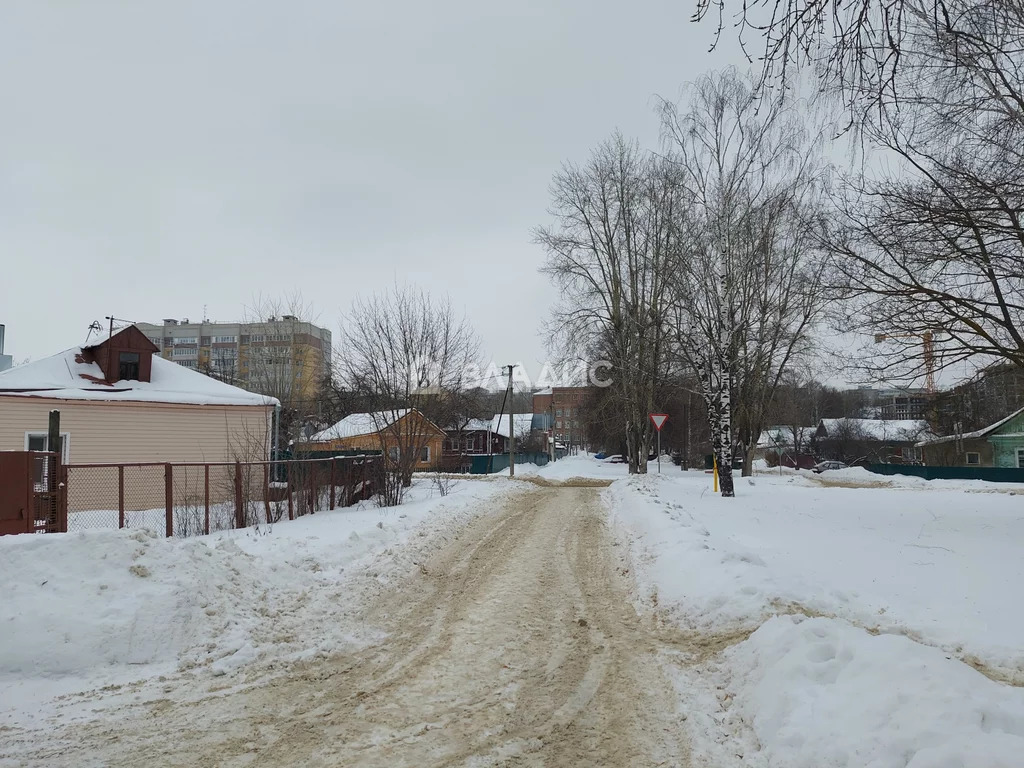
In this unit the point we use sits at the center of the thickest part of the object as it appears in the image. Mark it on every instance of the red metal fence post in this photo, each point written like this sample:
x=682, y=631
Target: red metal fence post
x=206, y=499
x=333, y=467
x=239, y=511
x=120, y=495
x=169, y=498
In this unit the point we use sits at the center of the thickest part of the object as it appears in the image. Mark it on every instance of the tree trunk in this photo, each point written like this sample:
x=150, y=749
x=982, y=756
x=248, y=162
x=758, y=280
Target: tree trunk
x=748, y=462
x=725, y=480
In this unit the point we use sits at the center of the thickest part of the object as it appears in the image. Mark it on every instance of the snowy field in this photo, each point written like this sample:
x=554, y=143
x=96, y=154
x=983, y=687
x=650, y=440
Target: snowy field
x=104, y=607
x=874, y=608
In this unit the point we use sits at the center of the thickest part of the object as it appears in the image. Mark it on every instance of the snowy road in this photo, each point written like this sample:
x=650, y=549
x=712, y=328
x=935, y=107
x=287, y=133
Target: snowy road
x=515, y=644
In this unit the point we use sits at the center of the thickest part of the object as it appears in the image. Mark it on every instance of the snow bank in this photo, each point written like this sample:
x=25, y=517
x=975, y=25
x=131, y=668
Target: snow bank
x=905, y=585
x=822, y=693
x=107, y=606
x=941, y=566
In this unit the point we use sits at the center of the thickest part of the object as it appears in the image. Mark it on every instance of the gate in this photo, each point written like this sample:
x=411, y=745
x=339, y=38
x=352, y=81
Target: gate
x=31, y=493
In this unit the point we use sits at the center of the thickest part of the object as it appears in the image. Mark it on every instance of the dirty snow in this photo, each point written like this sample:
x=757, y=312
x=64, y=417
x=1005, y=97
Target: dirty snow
x=101, y=607
x=872, y=605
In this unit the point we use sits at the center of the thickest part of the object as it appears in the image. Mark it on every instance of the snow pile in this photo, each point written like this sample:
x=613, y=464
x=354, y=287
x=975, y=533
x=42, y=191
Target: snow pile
x=106, y=606
x=909, y=585
x=821, y=693
x=940, y=565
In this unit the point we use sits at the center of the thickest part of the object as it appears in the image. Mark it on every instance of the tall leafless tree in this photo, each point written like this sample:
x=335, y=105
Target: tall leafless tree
x=931, y=253
x=402, y=349
x=610, y=249
x=746, y=289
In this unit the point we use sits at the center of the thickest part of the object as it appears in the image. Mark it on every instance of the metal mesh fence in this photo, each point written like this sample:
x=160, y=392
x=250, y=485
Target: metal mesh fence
x=190, y=499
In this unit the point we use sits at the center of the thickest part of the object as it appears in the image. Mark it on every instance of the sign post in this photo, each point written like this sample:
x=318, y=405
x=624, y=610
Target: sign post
x=659, y=419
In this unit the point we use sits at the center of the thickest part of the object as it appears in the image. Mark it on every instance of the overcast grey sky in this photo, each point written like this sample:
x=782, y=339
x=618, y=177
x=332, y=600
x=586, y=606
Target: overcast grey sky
x=156, y=157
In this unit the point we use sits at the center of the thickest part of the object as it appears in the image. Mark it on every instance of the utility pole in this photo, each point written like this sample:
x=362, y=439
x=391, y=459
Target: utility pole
x=111, y=318
x=511, y=425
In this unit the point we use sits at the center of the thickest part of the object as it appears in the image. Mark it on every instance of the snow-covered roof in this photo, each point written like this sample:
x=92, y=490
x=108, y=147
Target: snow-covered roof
x=547, y=391
x=358, y=424
x=473, y=425
x=523, y=422
x=978, y=433
x=67, y=376
x=781, y=435
x=898, y=430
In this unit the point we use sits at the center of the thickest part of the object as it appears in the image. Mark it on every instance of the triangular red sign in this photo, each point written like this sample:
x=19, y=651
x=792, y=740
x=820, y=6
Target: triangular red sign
x=659, y=420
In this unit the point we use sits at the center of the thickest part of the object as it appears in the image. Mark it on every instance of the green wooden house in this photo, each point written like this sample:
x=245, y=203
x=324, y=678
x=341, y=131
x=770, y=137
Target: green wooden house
x=998, y=445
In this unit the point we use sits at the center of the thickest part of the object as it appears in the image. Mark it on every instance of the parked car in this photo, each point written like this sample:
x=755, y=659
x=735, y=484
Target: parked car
x=824, y=466
x=616, y=460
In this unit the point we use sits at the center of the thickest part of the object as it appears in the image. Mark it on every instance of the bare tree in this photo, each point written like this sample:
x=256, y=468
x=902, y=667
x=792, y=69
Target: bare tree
x=746, y=283
x=609, y=250
x=930, y=253
x=857, y=48
x=403, y=349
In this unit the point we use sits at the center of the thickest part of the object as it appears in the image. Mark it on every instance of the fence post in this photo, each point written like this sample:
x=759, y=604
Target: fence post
x=120, y=495
x=288, y=482
x=169, y=498
x=62, y=500
x=239, y=511
x=206, y=499
x=312, y=487
x=266, y=491
x=334, y=463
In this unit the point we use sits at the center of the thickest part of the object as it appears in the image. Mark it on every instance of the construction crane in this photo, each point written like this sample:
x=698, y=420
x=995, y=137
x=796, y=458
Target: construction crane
x=928, y=342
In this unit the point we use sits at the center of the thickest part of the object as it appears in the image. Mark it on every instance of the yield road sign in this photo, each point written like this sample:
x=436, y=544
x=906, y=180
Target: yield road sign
x=659, y=420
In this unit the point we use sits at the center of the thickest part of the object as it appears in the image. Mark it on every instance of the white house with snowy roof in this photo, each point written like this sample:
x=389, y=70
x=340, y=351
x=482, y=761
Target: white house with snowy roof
x=121, y=402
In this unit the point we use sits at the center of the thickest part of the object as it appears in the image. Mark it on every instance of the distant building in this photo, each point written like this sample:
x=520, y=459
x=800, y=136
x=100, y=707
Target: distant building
x=389, y=432
x=564, y=409
x=896, y=403
x=998, y=445
x=871, y=441
x=284, y=356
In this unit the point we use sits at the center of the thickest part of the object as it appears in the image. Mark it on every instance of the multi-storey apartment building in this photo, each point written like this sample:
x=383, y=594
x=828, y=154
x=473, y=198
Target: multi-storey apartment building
x=562, y=407
x=285, y=357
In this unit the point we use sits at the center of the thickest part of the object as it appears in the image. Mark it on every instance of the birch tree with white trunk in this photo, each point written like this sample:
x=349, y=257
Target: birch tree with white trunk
x=745, y=288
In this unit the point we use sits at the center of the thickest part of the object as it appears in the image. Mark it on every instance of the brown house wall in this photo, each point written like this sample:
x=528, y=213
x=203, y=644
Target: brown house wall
x=947, y=454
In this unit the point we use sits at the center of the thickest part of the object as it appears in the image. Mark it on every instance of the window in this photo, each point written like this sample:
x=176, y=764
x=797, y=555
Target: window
x=224, y=339
x=128, y=366
x=184, y=352
x=186, y=340
x=1020, y=458
x=973, y=458
x=558, y=424
x=38, y=441
x=393, y=453
x=558, y=412
x=425, y=453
